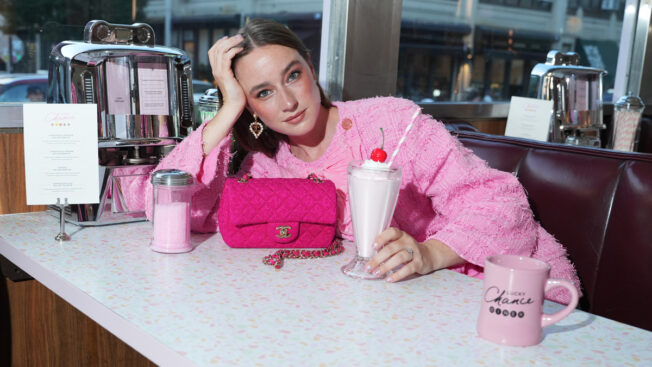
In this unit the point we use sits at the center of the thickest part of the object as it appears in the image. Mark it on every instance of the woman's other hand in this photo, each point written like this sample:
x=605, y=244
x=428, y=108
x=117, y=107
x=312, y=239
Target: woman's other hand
x=396, y=247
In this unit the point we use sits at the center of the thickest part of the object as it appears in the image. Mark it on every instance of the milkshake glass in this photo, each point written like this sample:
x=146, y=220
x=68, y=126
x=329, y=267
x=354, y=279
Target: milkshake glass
x=373, y=191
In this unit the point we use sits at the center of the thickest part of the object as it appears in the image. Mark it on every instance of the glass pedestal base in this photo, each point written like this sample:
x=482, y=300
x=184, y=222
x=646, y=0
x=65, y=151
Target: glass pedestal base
x=355, y=269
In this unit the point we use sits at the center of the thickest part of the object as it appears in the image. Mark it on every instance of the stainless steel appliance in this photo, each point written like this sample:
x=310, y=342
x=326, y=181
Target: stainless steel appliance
x=144, y=100
x=576, y=92
x=208, y=105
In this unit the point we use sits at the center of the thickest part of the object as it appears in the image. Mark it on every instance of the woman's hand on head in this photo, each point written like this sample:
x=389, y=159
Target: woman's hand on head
x=234, y=99
x=221, y=56
x=396, y=247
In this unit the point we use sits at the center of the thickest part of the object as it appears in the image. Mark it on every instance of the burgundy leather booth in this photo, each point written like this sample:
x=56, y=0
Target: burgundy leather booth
x=597, y=203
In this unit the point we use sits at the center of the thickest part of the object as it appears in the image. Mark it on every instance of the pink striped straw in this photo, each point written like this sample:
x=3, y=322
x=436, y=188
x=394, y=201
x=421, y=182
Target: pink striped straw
x=400, y=142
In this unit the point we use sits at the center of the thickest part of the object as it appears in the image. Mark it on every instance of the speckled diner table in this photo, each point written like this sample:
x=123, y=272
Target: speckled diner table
x=222, y=306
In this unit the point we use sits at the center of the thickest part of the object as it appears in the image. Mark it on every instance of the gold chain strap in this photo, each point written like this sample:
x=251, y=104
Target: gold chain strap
x=276, y=259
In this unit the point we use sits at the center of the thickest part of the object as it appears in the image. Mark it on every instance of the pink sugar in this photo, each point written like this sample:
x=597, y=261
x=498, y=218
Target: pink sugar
x=171, y=227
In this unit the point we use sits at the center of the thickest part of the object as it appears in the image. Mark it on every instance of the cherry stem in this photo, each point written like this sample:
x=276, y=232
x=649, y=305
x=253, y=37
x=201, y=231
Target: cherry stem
x=382, y=132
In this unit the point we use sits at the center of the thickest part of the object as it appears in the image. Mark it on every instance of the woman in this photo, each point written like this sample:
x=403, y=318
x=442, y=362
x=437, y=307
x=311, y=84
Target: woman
x=453, y=210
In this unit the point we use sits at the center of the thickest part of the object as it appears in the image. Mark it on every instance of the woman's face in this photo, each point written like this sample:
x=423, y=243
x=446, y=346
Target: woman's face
x=280, y=88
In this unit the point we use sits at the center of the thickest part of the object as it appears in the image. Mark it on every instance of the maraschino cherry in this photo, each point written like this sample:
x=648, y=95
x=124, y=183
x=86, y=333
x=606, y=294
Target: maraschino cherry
x=378, y=154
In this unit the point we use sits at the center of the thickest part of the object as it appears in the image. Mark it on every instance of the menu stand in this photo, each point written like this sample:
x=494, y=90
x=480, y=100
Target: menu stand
x=62, y=236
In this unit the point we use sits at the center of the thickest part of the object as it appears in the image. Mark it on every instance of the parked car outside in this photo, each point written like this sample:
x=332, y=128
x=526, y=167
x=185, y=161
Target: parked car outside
x=23, y=87
x=199, y=87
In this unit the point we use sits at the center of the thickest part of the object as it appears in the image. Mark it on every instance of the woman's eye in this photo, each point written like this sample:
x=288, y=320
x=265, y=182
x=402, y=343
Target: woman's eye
x=263, y=93
x=294, y=75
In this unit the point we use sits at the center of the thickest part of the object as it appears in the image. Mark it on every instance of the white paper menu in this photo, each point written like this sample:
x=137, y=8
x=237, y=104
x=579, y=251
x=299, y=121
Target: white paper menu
x=529, y=118
x=61, y=159
x=117, y=87
x=153, y=89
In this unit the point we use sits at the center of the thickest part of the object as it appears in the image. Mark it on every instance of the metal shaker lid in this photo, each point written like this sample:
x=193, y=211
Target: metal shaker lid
x=210, y=97
x=171, y=177
x=630, y=102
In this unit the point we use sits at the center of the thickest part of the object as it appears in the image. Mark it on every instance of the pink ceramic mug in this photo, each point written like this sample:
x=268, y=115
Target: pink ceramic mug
x=512, y=300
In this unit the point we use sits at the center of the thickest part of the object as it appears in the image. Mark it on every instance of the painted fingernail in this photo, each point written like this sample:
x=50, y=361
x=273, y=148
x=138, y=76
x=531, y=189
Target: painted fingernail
x=377, y=272
x=375, y=246
x=239, y=36
x=367, y=268
x=389, y=280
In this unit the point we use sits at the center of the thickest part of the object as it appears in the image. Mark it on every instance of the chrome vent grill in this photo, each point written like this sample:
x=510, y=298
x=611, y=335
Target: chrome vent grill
x=185, y=100
x=89, y=97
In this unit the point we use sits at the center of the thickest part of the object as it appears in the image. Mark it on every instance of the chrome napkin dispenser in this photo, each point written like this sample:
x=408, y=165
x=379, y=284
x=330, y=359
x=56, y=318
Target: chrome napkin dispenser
x=576, y=92
x=144, y=100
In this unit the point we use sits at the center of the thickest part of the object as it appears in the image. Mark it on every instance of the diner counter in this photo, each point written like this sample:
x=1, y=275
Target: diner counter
x=222, y=306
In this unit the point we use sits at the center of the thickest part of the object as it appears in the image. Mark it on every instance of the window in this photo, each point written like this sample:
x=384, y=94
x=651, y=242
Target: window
x=199, y=24
x=485, y=50
x=29, y=33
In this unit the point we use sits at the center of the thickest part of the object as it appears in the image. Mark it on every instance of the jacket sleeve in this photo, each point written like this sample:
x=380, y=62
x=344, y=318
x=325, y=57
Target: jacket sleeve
x=479, y=211
x=209, y=174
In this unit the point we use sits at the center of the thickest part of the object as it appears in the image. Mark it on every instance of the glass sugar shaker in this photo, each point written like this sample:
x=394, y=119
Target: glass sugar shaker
x=628, y=111
x=209, y=104
x=172, y=194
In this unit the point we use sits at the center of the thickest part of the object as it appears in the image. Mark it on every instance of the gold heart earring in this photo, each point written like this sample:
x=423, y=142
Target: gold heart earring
x=256, y=127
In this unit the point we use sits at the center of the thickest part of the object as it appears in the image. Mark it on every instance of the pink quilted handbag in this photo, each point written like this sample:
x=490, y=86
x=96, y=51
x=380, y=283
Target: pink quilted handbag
x=278, y=212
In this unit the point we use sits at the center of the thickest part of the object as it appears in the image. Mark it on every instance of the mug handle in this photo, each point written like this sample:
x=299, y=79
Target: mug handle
x=549, y=319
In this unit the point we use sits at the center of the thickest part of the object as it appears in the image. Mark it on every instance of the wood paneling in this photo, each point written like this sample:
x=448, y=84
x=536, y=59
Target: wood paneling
x=12, y=176
x=37, y=327
x=45, y=330
x=495, y=127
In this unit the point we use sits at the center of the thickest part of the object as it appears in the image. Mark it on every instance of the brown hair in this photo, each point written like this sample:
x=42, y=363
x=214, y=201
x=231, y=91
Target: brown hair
x=256, y=33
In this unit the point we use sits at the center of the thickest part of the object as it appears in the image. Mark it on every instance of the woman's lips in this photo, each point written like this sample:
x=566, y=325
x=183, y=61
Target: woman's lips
x=295, y=118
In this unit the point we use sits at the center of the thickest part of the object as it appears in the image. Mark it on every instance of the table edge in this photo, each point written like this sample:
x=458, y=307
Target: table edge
x=141, y=341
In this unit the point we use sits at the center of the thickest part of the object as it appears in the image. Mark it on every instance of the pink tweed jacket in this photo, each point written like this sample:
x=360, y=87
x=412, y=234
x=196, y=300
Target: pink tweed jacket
x=447, y=193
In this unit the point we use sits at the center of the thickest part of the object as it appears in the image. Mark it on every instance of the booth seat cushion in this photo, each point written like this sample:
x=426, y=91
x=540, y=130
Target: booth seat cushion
x=598, y=204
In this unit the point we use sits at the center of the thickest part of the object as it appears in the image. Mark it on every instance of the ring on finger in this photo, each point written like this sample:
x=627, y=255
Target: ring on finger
x=411, y=252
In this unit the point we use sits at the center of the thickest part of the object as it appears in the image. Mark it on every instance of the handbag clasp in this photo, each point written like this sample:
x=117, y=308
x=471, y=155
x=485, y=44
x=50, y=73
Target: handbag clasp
x=283, y=231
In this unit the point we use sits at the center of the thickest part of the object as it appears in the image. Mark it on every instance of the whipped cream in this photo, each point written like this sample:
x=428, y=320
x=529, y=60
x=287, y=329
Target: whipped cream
x=370, y=164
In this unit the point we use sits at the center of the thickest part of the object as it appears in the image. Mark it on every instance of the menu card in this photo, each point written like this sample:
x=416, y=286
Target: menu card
x=61, y=153
x=117, y=87
x=153, y=89
x=529, y=118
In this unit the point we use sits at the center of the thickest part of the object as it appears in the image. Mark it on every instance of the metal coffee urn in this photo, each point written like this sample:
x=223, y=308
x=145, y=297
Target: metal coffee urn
x=576, y=92
x=144, y=100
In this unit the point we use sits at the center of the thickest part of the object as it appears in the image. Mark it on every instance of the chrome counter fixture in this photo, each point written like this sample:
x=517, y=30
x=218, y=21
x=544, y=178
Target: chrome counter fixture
x=576, y=92
x=144, y=99
x=209, y=104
